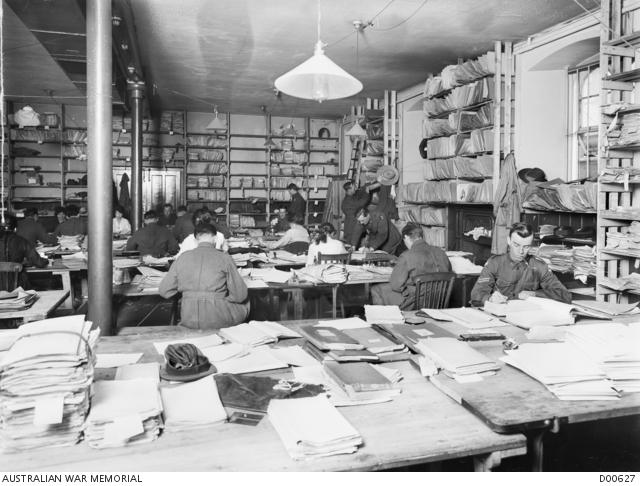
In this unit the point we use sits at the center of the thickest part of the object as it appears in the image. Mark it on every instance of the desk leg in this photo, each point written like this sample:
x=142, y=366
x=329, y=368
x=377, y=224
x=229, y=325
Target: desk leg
x=298, y=303
x=537, y=451
x=334, y=299
x=486, y=462
x=66, y=285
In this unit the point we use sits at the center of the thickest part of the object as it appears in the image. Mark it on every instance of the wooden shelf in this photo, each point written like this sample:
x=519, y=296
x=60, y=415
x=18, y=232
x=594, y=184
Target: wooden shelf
x=464, y=108
x=620, y=216
x=628, y=76
x=622, y=253
x=547, y=211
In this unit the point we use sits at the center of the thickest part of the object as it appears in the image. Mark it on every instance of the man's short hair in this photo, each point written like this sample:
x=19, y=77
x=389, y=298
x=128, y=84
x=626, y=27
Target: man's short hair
x=151, y=214
x=204, y=228
x=72, y=210
x=523, y=230
x=60, y=209
x=201, y=215
x=347, y=185
x=413, y=231
x=28, y=212
x=292, y=186
x=294, y=218
x=167, y=205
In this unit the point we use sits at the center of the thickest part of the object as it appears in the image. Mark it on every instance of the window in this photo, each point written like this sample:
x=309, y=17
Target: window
x=584, y=110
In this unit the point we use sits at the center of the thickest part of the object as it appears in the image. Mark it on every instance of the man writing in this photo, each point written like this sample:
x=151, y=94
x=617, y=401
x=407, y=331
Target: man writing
x=420, y=258
x=32, y=230
x=381, y=232
x=516, y=274
x=153, y=239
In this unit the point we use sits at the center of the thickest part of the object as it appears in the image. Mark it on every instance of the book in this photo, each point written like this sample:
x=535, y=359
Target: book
x=357, y=377
x=373, y=341
x=328, y=338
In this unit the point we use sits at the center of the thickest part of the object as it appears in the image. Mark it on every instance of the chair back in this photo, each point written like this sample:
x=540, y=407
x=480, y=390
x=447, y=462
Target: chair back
x=433, y=290
x=9, y=275
x=343, y=258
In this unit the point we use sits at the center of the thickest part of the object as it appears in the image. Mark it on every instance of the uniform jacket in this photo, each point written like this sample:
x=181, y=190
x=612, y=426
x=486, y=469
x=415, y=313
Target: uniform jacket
x=510, y=278
x=350, y=207
x=382, y=233
x=421, y=258
x=72, y=227
x=297, y=206
x=14, y=248
x=183, y=227
x=213, y=292
x=154, y=240
x=33, y=231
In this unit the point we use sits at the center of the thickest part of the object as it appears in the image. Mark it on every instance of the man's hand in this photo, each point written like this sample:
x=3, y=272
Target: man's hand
x=498, y=298
x=525, y=294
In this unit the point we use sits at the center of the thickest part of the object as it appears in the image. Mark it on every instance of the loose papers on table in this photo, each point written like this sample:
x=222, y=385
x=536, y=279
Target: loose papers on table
x=455, y=357
x=383, y=314
x=255, y=333
x=312, y=427
x=192, y=404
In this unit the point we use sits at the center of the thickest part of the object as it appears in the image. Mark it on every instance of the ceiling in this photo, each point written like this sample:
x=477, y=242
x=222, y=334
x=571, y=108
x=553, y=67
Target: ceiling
x=200, y=53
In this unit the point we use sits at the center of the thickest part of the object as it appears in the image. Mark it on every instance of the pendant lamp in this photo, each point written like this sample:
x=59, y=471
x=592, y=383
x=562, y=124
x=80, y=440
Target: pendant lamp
x=217, y=123
x=318, y=78
x=356, y=131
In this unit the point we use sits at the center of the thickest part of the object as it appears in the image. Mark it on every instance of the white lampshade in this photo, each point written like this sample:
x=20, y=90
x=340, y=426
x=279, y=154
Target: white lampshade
x=217, y=123
x=356, y=131
x=318, y=78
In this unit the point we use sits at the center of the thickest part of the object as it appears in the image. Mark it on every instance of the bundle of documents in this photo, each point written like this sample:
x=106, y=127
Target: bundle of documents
x=358, y=272
x=255, y=359
x=555, y=195
x=584, y=262
x=151, y=278
x=427, y=215
x=373, y=341
x=312, y=427
x=383, y=314
x=465, y=316
x=462, y=265
x=125, y=262
x=455, y=357
x=361, y=381
x=266, y=275
x=329, y=338
x=45, y=250
x=256, y=333
x=325, y=273
x=290, y=257
x=458, y=74
x=157, y=262
x=45, y=379
x=564, y=369
x=463, y=167
x=70, y=242
x=18, y=299
x=624, y=237
x=629, y=282
x=535, y=311
x=626, y=131
x=124, y=412
x=192, y=405
x=623, y=175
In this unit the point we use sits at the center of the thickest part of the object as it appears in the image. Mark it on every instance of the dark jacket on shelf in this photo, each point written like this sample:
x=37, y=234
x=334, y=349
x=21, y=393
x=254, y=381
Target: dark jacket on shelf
x=154, y=240
x=72, y=227
x=14, y=248
x=33, y=231
x=214, y=294
x=510, y=278
x=297, y=206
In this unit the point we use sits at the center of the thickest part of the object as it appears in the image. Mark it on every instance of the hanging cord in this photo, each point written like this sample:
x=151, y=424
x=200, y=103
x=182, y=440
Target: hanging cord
x=319, y=20
x=405, y=20
x=2, y=111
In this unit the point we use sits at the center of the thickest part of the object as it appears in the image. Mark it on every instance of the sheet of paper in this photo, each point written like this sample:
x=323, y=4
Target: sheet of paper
x=48, y=410
x=113, y=360
x=122, y=428
x=139, y=371
x=195, y=403
x=313, y=374
x=258, y=359
x=224, y=351
x=294, y=355
x=255, y=284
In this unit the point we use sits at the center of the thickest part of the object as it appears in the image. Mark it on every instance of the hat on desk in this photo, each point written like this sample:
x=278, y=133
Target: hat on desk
x=185, y=362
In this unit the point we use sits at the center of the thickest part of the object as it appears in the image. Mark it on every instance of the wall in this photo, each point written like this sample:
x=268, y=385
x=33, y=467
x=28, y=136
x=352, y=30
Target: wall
x=410, y=117
x=542, y=90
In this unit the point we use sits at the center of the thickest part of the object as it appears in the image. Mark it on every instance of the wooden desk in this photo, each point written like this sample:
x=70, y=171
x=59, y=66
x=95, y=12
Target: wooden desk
x=421, y=425
x=512, y=401
x=48, y=301
x=57, y=267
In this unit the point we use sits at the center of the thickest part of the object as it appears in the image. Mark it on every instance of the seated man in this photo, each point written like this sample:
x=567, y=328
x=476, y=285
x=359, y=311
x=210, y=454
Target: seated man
x=382, y=234
x=74, y=225
x=214, y=294
x=32, y=230
x=152, y=239
x=183, y=226
x=295, y=239
x=517, y=275
x=14, y=248
x=189, y=243
x=420, y=258
x=167, y=217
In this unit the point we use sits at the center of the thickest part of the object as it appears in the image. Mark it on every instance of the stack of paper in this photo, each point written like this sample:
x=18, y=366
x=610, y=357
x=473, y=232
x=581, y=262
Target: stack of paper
x=534, y=311
x=45, y=379
x=191, y=405
x=44, y=250
x=565, y=370
x=361, y=381
x=256, y=333
x=465, y=316
x=127, y=263
x=256, y=359
x=326, y=273
x=383, y=314
x=312, y=427
x=374, y=341
x=18, y=299
x=461, y=265
x=614, y=347
x=124, y=412
x=157, y=262
x=608, y=309
x=69, y=242
x=455, y=357
x=267, y=275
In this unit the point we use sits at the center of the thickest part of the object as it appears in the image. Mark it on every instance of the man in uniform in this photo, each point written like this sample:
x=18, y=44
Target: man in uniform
x=32, y=230
x=297, y=206
x=183, y=226
x=354, y=200
x=420, y=258
x=153, y=239
x=516, y=274
x=73, y=225
x=381, y=232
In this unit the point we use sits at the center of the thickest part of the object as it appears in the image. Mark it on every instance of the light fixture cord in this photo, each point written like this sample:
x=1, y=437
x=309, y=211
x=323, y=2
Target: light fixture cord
x=319, y=20
x=2, y=111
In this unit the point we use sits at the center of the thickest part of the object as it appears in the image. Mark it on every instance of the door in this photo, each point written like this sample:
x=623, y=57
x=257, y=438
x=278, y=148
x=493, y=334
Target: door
x=159, y=187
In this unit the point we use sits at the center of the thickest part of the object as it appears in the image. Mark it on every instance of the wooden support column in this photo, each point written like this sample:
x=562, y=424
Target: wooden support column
x=99, y=167
x=136, y=93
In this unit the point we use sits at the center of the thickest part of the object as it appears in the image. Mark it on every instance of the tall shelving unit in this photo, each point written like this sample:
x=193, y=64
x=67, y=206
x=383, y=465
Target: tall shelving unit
x=618, y=148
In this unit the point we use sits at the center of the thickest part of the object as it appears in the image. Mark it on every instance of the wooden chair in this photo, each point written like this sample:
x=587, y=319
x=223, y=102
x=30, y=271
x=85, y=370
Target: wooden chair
x=341, y=258
x=433, y=290
x=9, y=275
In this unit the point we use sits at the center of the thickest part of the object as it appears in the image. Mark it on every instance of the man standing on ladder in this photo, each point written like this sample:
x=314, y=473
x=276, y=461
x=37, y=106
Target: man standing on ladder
x=354, y=200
